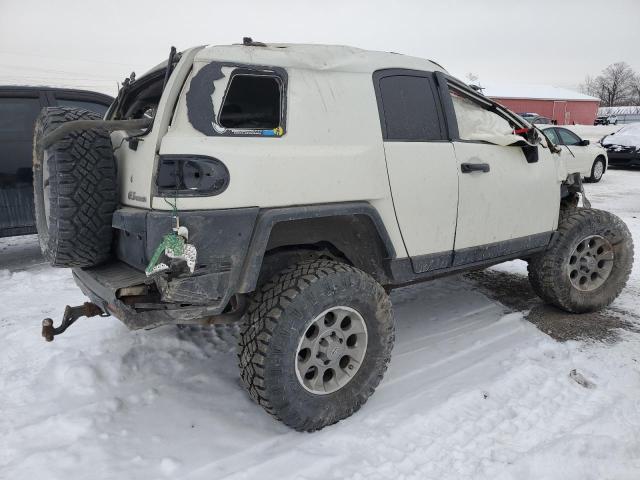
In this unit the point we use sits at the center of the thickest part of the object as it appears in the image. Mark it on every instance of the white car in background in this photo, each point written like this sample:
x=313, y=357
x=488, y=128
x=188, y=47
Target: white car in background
x=590, y=159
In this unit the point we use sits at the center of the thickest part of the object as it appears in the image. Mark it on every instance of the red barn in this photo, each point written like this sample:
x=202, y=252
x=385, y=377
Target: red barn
x=564, y=106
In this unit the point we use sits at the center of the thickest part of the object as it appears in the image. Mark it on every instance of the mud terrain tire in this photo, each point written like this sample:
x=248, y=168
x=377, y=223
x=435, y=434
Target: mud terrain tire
x=75, y=191
x=280, y=315
x=586, y=241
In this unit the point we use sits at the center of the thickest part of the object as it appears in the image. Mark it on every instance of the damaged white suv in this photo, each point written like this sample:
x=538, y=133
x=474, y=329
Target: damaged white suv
x=290, y=188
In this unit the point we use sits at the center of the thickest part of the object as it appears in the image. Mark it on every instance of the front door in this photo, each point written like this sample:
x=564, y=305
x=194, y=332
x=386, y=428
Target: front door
x=506, y=203
x=421, y=165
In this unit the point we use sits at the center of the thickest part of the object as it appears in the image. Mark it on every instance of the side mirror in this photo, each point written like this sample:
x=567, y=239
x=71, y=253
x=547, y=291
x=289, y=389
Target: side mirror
x=584, y=143
x=530, y=153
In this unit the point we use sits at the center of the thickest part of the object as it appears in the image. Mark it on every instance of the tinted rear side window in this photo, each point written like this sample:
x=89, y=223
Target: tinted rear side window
x=410, y=109
x=91, y=106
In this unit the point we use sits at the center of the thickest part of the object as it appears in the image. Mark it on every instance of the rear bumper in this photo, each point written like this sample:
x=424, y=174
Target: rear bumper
x=102, y=285
x=221, y=238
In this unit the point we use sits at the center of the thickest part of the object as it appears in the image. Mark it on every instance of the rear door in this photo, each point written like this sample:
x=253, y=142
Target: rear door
x=509, y=195
x=18, y=112
x=421, y=164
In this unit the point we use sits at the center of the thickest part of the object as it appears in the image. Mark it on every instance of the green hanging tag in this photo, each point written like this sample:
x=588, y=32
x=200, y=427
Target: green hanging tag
x=174, y=245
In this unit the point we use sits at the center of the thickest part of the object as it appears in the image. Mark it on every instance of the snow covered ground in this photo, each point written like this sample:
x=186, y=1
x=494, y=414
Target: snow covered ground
x=474, y=390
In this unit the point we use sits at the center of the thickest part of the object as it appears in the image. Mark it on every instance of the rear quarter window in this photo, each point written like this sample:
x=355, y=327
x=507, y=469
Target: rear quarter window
x=252, y=101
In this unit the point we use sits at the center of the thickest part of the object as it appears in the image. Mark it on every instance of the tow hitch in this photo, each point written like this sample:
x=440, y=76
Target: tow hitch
x=71, y=314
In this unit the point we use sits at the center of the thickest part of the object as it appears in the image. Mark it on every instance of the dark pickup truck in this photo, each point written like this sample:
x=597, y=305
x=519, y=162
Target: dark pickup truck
x=19, y=107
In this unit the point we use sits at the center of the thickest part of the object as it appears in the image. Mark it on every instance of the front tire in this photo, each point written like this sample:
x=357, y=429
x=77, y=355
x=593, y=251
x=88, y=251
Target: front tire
x=587, y=263
x=316, y=342
x=597, y=170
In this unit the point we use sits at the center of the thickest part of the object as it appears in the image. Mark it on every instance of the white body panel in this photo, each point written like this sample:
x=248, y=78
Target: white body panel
x=332, y=151
x=135, y=166
x=424, y=182
x=514, y=199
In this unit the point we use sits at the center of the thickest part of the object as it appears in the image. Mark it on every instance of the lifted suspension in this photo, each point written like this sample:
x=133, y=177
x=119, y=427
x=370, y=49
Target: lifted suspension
x=71, y=314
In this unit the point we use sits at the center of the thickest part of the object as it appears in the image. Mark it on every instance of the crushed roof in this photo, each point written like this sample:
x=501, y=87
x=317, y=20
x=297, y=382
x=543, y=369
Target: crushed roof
x=314, y=57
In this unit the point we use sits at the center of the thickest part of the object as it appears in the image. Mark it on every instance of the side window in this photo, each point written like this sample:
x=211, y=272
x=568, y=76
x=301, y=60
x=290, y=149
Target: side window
x=17, y=116
x=252, y=102
x=551, y=133
x=567, y=137
x=98, y=108
x=477, y=122
x=410, y=109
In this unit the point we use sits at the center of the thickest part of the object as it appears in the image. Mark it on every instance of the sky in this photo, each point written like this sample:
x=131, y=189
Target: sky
x=94, y=44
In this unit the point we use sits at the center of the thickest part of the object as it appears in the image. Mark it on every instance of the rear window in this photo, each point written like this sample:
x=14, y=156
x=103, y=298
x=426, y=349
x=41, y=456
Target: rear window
x=410, y=109
x=98, y=108
x=252, y=102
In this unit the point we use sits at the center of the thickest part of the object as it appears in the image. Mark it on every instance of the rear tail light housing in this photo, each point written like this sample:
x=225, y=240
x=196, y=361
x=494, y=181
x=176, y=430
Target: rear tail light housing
x=191, y=175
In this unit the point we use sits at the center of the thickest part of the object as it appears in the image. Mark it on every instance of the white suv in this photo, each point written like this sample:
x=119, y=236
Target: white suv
x=290, y=188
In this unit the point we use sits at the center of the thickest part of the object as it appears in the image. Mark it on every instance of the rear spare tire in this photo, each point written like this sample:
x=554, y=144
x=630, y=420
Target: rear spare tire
x=75, y=190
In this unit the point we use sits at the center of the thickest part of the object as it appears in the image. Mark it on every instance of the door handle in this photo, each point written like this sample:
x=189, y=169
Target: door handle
x=474, y=167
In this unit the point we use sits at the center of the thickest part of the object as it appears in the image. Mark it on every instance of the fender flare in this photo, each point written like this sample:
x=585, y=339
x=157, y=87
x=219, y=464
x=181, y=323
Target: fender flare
x=270, y=218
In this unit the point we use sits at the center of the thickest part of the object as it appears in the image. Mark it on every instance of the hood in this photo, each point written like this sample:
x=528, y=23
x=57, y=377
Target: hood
x=628, y=136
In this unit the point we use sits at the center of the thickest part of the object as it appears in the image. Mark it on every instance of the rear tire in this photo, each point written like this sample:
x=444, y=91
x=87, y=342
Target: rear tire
x=587, y=263
x=291, y=357
x=75, y=191
x=597, y=170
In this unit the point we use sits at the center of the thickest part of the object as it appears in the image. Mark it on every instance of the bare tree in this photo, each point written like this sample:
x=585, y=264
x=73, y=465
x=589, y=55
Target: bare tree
x=635, y=90
x=594, y=87
x=615, y=86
